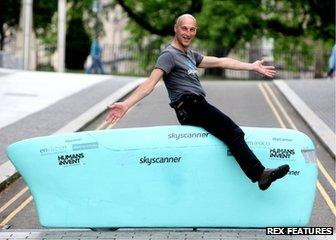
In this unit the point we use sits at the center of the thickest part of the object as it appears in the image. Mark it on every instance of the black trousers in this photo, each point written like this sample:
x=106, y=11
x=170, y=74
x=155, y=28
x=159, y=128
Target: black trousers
x=195, y=110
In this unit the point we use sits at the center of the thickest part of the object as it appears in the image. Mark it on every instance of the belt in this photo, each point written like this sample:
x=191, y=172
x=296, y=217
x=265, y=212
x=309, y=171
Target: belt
x=185, y=98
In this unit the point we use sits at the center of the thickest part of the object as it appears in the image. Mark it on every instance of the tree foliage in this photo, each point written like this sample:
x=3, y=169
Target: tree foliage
x=77, y=44
x=43, y=12
x=77, y=39
x=79, y=32
x=9, y=16
x=158, y=17
x=224, y=23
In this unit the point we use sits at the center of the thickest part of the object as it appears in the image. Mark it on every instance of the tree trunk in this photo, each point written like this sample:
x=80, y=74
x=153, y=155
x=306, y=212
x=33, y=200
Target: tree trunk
x=2, y=37
x=2, y=40
x=319, y=61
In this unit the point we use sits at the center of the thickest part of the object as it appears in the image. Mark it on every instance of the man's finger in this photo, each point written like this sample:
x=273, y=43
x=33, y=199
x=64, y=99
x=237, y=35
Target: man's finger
x=109, y=116
x=269, y=67
x=107, y=119
x=110, y=120
x=111, y=105
x=114, y=120
x=271, y=72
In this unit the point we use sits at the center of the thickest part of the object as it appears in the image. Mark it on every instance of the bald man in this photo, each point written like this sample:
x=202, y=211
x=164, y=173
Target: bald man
x=177, y=65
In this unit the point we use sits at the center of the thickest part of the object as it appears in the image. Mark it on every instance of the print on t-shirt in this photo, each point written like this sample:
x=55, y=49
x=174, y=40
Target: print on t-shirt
x=192, y=70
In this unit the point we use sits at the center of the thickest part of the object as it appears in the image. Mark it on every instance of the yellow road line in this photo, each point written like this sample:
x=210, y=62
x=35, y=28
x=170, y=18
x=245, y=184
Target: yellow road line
x=16, y=211
x=319, y=186
x=13, y=199
x=110, y=126
x=326, y=174
x=319, y=164
x=270, y=104
x=102, y=126
x=280, y=106
x=326, y=197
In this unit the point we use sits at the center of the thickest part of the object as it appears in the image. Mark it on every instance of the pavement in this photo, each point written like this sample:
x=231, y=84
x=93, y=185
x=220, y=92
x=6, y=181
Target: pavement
x=314, y=100
x=156, y=234
x=44, y=103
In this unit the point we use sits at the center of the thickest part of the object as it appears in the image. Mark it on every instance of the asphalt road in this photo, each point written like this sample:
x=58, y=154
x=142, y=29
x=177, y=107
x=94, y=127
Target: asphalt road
x=248, y=103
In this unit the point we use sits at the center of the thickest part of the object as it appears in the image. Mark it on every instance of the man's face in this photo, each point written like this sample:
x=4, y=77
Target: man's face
x=185, y=31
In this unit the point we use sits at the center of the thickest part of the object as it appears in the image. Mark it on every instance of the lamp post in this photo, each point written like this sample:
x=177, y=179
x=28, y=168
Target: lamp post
x=61, y=11
x=27, y=9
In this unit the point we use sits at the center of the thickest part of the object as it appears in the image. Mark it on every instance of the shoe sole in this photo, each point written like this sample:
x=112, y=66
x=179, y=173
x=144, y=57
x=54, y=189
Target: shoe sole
x=276, y=174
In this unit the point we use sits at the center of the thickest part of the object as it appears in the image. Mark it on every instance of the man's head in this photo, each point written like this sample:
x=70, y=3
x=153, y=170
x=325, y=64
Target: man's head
x=185, y=29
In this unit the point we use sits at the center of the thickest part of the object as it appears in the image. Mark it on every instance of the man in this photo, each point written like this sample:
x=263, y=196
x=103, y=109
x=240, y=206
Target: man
x=332, y=63
x=177, y=65
x=97, y=64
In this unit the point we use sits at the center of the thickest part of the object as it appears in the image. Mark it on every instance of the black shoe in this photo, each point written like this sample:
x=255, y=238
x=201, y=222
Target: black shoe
x=269, y=175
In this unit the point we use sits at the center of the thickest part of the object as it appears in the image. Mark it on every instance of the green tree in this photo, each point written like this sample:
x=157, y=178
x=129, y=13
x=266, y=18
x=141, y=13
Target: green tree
x=156, y=16
x=9, y=17
x=224, y=25
x=79, y=32
x=77, y=45
x=43, y=12
x=225, y=22
x=77, y=39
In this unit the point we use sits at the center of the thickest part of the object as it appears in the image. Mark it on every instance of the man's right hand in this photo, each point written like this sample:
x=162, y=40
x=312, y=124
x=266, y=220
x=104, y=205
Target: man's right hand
x=116, y=111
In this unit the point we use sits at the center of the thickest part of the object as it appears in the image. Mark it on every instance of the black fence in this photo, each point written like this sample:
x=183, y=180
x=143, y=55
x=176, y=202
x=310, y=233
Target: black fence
x=137, y=61
x=132, y=60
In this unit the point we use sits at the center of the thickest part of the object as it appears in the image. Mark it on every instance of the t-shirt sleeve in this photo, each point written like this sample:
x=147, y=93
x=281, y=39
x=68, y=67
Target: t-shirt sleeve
x=198, y=57
x=165, y=62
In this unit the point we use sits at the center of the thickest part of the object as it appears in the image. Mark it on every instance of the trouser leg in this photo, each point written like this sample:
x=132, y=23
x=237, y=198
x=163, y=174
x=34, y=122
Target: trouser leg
x=100, y=66
x=205, y=115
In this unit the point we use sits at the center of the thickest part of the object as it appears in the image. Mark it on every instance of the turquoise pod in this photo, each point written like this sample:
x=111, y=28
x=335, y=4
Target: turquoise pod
x=167, y=176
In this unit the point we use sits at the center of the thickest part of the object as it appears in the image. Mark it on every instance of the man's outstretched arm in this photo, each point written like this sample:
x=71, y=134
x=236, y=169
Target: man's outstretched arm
x=229, y=63
x=117, y=110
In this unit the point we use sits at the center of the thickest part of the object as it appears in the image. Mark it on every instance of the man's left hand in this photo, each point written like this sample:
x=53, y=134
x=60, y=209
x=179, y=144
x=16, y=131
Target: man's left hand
x=268, y=71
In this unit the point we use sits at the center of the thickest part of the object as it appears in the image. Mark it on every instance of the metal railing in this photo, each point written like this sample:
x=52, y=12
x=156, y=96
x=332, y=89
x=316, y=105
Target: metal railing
x=10, y=60
x=136, y=61
x=289, y=64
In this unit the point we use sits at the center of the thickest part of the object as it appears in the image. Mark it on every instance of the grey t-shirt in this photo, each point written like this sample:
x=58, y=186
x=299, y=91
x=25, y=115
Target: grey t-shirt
x=180, y=72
